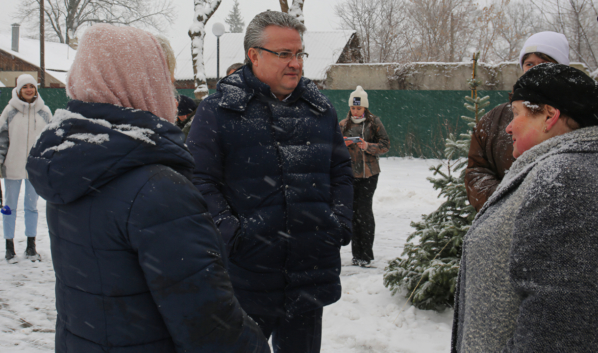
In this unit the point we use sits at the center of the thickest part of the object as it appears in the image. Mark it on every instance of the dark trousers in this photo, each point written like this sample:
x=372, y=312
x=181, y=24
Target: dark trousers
x=299, y=334
x=364, y=225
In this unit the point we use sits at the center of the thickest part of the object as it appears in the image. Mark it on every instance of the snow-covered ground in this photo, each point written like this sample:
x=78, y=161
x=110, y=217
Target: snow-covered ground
x=366, y=319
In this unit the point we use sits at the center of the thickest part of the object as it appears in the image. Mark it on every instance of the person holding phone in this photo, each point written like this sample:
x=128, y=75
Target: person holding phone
x=366, y=139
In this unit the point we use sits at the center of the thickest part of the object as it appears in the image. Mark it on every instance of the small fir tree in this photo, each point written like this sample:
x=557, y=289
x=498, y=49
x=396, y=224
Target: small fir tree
x=428, y=270
x=235, y=20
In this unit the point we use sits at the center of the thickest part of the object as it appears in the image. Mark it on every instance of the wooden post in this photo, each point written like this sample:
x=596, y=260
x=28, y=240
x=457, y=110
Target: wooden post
x=42, y=59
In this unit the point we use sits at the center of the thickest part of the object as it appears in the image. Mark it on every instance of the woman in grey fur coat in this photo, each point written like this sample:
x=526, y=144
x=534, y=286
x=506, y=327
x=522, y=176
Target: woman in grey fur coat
x=528, y=280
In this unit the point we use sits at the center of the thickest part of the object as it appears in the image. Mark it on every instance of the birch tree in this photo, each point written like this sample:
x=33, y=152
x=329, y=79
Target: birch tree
x=204, y=9
x=296, y=10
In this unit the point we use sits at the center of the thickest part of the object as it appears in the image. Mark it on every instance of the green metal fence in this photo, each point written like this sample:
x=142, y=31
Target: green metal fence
x=416, y=121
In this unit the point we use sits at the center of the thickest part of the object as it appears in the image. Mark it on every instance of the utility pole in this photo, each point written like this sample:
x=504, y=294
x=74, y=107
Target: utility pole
x=42, y=57
x=452, y=45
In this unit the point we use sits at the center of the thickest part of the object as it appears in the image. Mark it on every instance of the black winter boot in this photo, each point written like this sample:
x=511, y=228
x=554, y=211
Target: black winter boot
x=30, y=252
x=10, y=252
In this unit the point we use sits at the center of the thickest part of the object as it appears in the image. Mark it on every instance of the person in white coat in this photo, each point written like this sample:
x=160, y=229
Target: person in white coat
x=21, y=122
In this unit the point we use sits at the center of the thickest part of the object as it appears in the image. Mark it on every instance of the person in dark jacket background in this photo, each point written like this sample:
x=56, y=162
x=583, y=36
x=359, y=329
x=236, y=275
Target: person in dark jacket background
x=491, y=150
x=273, y=168
x=373, y=142
x=140, y=266
x=186, y=109
x=234, y=67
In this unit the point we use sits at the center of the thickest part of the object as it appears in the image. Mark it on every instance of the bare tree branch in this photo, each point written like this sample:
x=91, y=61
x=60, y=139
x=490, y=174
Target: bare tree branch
x=448, y=30
x=576, y=19
x=65, y=17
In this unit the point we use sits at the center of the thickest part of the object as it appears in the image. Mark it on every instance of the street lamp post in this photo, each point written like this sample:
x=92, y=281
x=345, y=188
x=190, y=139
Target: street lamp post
x=42, y=44
x=218, y=30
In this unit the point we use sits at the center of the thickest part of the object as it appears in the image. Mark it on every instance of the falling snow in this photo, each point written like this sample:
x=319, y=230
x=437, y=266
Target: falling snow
x=366, y=318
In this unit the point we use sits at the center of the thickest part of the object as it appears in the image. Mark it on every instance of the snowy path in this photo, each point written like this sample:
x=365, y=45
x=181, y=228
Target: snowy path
x=28, y=311
x=366, y=319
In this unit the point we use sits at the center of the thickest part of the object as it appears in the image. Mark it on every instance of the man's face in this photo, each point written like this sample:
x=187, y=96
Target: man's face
x=282, y=76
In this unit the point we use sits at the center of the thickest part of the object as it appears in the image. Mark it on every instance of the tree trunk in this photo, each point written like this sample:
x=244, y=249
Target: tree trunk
x=295, y=10
x=204, y=9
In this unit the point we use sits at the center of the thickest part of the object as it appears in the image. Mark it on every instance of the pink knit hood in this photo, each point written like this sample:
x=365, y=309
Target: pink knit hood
x=124, y=66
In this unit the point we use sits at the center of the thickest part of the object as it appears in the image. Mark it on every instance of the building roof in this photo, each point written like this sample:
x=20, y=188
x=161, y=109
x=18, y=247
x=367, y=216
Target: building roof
x=59, y=57
x=324, y=49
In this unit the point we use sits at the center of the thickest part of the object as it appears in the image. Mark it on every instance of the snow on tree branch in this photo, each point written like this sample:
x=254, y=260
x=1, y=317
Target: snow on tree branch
x=296, y=10
x=204, y=9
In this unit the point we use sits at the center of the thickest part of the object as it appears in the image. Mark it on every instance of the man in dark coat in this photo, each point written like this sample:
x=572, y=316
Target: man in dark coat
x=140, y=266
x=186, y=109
x=275, y=172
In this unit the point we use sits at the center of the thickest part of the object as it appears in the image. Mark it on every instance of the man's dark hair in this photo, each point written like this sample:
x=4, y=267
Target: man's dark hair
x=234, y=67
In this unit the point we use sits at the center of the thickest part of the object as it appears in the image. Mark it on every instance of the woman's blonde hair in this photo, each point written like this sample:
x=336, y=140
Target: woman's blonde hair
x=168, y=52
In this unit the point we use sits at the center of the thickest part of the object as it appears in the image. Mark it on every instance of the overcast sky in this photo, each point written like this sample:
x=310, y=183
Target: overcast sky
x=319, y=16
x=319, y=13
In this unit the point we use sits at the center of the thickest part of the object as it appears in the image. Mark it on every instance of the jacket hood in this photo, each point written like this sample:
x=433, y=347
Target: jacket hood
x=20, y=105
x=90, y=144
x=240, y=87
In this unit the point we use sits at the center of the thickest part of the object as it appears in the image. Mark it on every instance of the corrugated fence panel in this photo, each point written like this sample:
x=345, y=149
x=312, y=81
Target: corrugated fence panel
x=416, y=121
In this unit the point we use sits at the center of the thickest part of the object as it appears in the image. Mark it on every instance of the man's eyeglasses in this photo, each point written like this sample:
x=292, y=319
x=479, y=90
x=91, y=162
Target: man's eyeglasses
x=287, y=55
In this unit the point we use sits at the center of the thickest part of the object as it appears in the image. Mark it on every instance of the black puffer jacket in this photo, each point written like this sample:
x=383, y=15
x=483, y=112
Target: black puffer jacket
x=277, y=178
x=139, y=265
